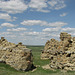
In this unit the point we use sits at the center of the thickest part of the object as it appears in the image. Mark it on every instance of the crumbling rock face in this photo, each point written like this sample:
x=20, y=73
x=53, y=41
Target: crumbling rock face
x=65, y=36
x=49, y=49
x=62, y=53
x=17, y=56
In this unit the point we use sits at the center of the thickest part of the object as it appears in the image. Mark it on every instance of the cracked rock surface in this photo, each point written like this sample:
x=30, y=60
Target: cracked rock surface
x=61, y=53
x=17, y=56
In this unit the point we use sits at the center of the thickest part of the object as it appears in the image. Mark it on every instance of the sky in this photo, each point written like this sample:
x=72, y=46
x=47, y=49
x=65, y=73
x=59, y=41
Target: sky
x=33, y=22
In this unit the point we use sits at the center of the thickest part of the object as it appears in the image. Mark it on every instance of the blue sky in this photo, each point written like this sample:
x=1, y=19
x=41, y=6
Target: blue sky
x=33, y=22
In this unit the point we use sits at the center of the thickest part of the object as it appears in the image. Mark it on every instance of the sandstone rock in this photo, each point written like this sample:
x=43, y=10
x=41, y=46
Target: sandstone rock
x=46, y=67
x=17, y=56
x=65, y=36
x=50, y=49
x=61, y=53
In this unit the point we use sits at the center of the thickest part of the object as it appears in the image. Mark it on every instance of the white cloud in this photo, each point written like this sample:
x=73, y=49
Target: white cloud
x=17, y=29
x=57, y=24
x=8, y=25
x=19, y=6
x=57, y=4
x=51, y=29
x=5, y=33
x=30, y=38
x=33, y=22
x=68, y=29
x=42, y=23
x=13, y=6
x=39, y=37
x=34, y=33
x=38, y=5
x=42, y=10
x=8, y=35
x=14, y=18
x=62, y=15
x=52, y=3
x=7, y=17
x=11, y=36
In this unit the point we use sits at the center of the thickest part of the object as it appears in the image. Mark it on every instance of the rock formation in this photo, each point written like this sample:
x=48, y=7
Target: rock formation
x=49, y=49
x=17, y=56
x=61, y=53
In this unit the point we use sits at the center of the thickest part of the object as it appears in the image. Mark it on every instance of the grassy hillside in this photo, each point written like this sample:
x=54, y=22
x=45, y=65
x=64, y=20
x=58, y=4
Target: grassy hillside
x=36, y=50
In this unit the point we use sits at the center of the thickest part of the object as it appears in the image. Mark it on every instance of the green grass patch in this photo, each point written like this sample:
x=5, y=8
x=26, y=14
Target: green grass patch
x=36, y=51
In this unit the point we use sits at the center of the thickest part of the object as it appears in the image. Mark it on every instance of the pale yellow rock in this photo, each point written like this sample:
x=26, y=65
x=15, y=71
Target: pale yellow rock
x=61, y=53
x=17, y=56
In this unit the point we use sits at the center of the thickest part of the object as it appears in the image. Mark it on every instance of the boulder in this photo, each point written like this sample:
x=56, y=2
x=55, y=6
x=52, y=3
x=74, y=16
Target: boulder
x=17, y=56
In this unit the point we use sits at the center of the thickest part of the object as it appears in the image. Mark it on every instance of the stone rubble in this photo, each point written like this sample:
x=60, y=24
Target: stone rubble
x=17, y=56
x=61, y=53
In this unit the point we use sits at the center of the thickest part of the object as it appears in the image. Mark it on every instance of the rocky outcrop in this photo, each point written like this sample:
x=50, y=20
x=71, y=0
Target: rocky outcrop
x=50, y=49
x=61, y=53
x=17, y=56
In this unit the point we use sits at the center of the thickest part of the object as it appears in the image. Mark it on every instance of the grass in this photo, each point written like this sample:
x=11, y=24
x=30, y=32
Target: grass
x=36, y=50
